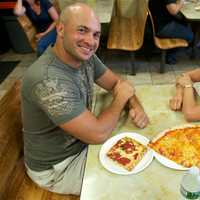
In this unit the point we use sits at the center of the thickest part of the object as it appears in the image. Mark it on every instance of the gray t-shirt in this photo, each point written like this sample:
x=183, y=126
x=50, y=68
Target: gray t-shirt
x=52, y=94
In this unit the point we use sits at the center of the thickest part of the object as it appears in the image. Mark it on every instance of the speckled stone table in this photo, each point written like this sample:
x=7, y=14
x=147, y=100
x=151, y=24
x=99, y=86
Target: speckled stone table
x=190, y=12
x=102, y=8
x=156, y=182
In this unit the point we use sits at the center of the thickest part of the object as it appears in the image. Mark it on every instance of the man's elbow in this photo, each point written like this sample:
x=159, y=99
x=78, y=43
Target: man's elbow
x=99, y=137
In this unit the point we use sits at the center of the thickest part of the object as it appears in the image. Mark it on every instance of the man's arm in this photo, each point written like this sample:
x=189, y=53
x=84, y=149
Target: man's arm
x=136, y=111
x=95, y=130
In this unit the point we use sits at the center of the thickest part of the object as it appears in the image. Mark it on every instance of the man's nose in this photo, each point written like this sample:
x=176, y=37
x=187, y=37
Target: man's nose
x=89, y=38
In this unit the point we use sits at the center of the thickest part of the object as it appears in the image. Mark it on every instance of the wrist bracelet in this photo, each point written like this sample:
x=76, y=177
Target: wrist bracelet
x=188, y=86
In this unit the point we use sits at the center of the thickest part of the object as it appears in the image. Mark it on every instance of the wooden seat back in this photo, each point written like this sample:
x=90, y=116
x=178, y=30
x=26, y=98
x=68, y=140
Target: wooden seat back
x=126, y=29
x=10, y=135
x=29, y=30
x=127, y=32
x=165, y=43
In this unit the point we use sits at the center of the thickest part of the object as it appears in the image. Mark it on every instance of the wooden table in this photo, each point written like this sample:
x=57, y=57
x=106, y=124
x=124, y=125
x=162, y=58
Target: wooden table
x=156, y=182
x=103, y=8
x=193, y=17
x=190, y=12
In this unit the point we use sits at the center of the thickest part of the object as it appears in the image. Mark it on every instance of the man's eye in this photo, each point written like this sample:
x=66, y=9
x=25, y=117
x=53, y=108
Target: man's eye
x=81, y=30
x=97, y=36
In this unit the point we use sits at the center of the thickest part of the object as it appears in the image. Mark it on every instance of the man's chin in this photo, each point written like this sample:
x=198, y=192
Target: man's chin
x=86, y=57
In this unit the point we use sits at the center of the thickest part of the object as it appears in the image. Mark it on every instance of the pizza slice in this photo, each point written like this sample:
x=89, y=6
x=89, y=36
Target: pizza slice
x=127, y=152
x=180, y=145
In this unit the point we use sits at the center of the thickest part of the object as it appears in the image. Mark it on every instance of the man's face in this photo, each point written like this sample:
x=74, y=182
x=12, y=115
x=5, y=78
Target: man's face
x=81, y=37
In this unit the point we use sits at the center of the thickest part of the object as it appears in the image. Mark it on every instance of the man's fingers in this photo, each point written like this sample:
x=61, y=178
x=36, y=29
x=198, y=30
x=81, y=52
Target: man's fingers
x=132, y=114
x=140, y=120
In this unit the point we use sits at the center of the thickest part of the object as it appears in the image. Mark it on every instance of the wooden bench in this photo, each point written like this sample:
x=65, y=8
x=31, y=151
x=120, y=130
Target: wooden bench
x=14, y=183
x=127, y=32
x=29, y=30
x=165, y=43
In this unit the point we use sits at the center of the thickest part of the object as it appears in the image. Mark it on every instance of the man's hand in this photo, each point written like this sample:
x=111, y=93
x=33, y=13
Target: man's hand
x=138, y=117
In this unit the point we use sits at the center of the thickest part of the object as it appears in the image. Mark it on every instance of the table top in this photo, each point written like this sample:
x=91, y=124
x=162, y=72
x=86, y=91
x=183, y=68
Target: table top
x=190, y=12
x=102, y=8
x=154, y=182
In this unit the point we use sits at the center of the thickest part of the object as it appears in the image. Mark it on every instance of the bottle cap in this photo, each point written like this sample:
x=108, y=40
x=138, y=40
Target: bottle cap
x=194, y=170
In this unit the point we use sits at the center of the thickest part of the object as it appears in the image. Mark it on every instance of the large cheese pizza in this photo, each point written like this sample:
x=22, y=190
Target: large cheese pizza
x=127, y=152
x=181, y=145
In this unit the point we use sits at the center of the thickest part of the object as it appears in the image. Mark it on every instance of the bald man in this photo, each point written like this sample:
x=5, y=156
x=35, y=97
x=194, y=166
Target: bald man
x=57, y=93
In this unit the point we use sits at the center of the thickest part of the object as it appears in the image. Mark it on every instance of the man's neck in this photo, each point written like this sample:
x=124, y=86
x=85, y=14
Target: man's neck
x=64, y=57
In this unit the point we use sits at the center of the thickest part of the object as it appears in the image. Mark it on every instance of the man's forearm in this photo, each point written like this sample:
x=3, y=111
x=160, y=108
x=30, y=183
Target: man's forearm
x=109, y=117
x=134, y=103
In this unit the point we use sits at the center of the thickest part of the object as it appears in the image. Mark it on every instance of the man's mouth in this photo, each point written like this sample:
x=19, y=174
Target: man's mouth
x=86, y=50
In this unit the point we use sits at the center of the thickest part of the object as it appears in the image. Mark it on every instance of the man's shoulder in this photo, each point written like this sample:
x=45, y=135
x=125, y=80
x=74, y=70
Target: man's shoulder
x=94, y=60
x=43, y=62
x=39, y=69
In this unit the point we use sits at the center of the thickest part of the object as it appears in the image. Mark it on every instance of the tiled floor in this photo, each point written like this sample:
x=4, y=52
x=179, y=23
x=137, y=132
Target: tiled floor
x=147, y=71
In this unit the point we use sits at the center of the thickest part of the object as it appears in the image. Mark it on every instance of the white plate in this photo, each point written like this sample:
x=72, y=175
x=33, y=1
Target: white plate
x=168, y=163
x=165, y=161
x=112, y=166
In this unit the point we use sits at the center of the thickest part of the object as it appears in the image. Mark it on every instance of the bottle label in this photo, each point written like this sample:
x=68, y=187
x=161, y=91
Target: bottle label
x=189, y=195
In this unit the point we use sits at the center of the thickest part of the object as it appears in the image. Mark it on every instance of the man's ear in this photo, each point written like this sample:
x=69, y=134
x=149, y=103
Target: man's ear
x=60, y=29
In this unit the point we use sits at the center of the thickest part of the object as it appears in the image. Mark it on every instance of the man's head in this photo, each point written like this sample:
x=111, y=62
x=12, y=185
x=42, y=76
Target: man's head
x=78, y=32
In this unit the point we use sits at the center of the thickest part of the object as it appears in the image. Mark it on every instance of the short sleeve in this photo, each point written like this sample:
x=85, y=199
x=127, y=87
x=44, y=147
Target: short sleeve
x=60, y=100
x=99, y=67
x=47, y=4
